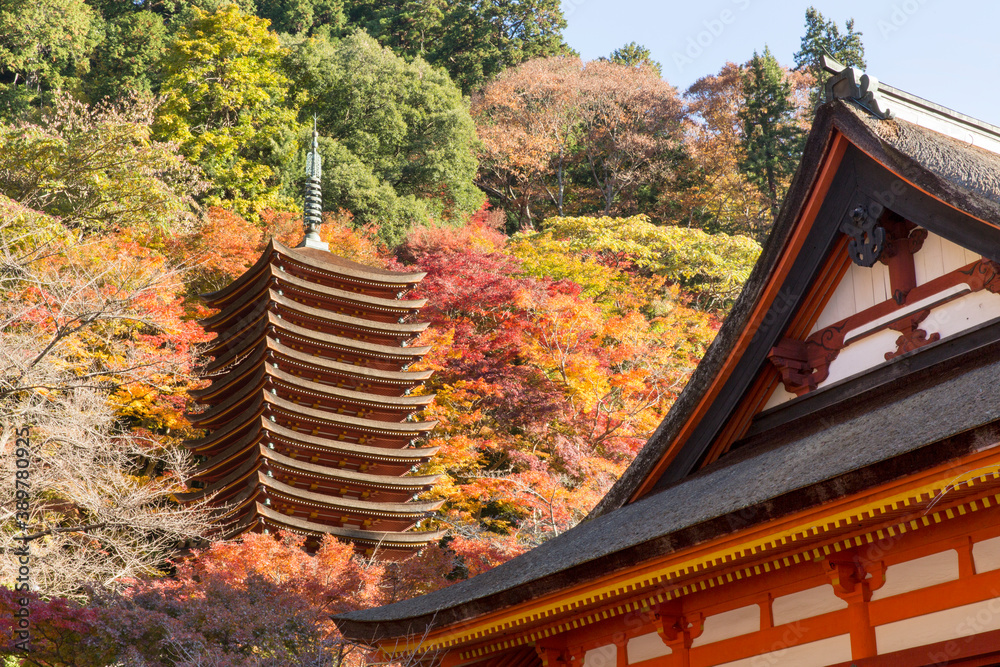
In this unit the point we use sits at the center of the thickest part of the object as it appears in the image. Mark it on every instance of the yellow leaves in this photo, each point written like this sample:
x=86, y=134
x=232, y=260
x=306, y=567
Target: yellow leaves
x=711, y=266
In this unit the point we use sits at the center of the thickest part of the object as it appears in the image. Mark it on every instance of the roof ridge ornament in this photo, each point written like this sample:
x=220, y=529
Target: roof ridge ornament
x=850, y=83
x=312, y=216
x=867, y=236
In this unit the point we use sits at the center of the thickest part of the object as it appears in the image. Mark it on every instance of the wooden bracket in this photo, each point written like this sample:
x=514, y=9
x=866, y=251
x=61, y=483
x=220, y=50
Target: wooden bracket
x=903, y=240
x=679, y=629
x=912, y=338
x=850, y=578
x=805, y=364
x=551, y=656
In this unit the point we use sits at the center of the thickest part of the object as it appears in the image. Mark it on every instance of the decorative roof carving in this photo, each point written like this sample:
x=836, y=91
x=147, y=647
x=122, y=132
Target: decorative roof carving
x=852, y=84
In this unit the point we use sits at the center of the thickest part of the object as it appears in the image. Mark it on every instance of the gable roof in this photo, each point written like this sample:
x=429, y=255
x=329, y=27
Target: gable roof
x=663, y=503
x=951, y=186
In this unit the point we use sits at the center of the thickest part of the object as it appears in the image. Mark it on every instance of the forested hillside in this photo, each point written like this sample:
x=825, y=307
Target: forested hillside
x=584, y=227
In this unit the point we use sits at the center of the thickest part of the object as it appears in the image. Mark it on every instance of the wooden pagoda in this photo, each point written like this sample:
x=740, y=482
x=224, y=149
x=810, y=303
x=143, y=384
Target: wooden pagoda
x=308, y=418
x=826, y=490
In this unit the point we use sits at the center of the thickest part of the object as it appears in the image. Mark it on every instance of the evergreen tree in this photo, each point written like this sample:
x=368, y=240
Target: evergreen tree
x=128, y=59
x=471, y=39
x=298, y=17
x=824, y=36
x=44, y=45
x=634, y=55
x=772, y=140
x=397, y=138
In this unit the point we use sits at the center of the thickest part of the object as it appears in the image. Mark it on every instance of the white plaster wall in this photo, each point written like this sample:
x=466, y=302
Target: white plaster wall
x=646, y=647
x=814, y=654
x=861, y=355
x=604, y=656
x=964, y=621
x=860, y=288
x=962, y=313
x=728, y=624
x=986, y=555
x=939, y=256
x=919, y=573
x=805, y=604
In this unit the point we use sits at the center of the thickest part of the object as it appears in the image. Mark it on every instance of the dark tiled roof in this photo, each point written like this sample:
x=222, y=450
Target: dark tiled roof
x=811, y=468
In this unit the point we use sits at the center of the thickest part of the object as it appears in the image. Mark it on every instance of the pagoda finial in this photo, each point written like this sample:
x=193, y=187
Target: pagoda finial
x=313, y=209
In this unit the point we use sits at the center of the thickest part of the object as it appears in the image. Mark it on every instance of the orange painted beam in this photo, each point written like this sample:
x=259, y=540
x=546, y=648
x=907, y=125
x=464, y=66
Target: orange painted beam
x=831, y=162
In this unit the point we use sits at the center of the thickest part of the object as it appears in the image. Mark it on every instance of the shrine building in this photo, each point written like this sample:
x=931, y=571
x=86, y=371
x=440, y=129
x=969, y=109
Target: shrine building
x=308, y=416
x=826, y=490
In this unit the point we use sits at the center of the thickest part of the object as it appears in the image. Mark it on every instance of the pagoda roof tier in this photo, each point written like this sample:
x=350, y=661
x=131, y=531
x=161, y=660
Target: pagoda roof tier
x=318, y=393
x=336, y=300
x=266, y=517
x=327, y=346
x=411, y=429
x=325, y=266
x=416, y=509
x=245, y=502
x=224, y=322
x=279, y=462
x=284, y=355
x=257, y=375
x=271, y=319
x=369, y=305
x=328, y=367
x=279, y=407
x=219, y=390
x=412, y=484
x=250, y=473
x=265, y=428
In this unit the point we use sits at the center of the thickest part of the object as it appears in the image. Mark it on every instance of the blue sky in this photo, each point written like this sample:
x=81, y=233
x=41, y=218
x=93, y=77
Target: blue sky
x=945, y=51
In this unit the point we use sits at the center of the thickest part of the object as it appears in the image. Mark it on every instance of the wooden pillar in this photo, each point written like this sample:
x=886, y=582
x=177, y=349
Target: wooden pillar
x=851, y=583
x=621, y=644
x=902, y=242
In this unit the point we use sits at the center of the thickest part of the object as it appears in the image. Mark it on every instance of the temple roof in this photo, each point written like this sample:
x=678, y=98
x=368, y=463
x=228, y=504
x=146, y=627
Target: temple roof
x=383, y=539
x=321, y=262
x=754, y=486
x=875, y=431
x=949, y=170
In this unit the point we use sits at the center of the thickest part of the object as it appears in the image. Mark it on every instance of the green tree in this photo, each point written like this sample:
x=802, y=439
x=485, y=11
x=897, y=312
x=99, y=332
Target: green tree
x=44, y=45
x=399, y=138
x=96, y=169
x=227, y=104
x=824, y=36
x=635, y=55
x=128, y=58
x=298, y=17
x=772, y=139
x=484, y=38
x=473, y=40
x=410, y=27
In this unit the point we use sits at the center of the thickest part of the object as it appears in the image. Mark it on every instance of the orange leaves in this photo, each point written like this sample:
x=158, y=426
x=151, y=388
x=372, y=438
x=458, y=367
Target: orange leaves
x=551, y=370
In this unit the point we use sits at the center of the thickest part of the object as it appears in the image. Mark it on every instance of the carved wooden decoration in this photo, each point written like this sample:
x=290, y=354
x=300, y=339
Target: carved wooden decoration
x=805, y=364
x=867, y=237
x=912, y=338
